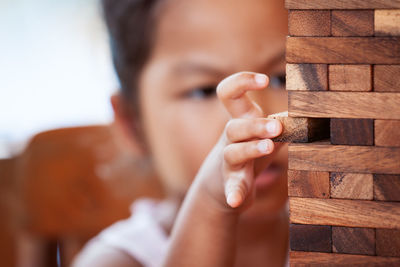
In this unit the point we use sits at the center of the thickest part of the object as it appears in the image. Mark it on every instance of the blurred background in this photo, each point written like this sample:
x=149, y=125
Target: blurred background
x=64, y=173
x=55, y=68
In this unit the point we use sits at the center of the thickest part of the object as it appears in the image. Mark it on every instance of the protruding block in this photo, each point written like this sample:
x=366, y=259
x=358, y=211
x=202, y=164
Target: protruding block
x=337, y=158
x=309, y=23
x=363, y=105
x=388, y=242
x=387, y=22
x=301, y=130
x=307, y=77
x=386, y=78
x=344, y=212
x=350, y=78
x=387, y=187
x=353, y=240
x=339, y=50
x=308, y=184
x=387, y=133
x=352, y=132
x=352, y=22
x=310, y=237
x=351, y=185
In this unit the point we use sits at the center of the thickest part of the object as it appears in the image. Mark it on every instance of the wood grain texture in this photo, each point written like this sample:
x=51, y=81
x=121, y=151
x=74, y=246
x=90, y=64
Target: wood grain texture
x=343, y=212
x=387, y=187
x=388, y=242
x=309, y=22
x=9, y=207
x=387, y=133
x=353, y=240
x=315, y=238
x=364, y=105
x=341, y=4
x=301, y=130
x=308, y=184
x=352, y=22
x=352, y=132
x=351, y=185
x=336, y=158
x=386, y=78
x=339, y=50
x=387, y=22
x=319, y=259
x=350, y=78
x=307, y=77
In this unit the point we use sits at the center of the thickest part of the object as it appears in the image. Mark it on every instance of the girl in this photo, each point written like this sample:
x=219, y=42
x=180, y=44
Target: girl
x=186, y=98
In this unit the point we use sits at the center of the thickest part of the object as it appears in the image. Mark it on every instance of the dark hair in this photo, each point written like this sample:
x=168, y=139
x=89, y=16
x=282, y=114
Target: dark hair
x=131, y=27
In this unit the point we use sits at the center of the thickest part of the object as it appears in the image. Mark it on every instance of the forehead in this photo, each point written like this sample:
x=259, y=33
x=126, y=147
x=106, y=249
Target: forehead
x=234, y=34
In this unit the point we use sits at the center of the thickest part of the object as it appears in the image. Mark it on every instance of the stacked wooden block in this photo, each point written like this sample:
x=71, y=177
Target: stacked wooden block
x=344, y=65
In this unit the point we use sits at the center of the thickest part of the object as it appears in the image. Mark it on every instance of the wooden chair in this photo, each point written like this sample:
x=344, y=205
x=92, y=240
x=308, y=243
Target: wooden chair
x=74, y=182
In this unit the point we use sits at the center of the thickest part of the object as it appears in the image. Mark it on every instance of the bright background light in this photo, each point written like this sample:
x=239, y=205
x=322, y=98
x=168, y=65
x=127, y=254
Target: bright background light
x=55, y=68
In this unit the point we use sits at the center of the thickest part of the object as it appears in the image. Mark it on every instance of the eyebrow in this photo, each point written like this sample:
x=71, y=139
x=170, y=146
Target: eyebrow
x=193, y=67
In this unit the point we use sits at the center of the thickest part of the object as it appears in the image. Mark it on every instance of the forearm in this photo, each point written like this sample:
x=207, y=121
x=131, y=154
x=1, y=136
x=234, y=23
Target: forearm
x=204, y=234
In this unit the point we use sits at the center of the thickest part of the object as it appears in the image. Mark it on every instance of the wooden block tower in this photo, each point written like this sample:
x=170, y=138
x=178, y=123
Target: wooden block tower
x=343, y=64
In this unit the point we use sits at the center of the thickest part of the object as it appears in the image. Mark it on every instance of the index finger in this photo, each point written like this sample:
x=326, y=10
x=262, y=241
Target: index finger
x=232, y=93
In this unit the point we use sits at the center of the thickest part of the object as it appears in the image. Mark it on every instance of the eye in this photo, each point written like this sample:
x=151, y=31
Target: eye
x=204, y=92
x=277, y=81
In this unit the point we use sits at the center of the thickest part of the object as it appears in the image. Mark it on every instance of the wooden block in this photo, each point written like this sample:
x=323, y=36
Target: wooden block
x=387, y=22
x=310, y=237
x=319, y=259
x=387, y=187
x=309, y=22
x=353, y=240
x=352, y=132
x=337, y=50
x=341, y=4
x=344, y=212
x=386, y=78
x=352, y=22
x=301, y=130
x=350, y=78
x=307, y=77
x=336, y=158
x=308, y=184
x=387, y=133
x=363, y=105
x=388, y=242
x=351, y=185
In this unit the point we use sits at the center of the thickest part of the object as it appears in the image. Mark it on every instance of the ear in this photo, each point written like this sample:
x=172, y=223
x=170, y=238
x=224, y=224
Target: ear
x=126, y=125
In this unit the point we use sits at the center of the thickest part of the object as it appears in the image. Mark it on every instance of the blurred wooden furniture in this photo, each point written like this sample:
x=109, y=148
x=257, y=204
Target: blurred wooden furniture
x=8, y=247
x=344, y=65
x=70, y=184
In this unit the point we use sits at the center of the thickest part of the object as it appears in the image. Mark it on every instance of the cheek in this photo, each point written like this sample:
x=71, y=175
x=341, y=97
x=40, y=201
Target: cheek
x=271, y=101
x=200, y=125
x=180, y=137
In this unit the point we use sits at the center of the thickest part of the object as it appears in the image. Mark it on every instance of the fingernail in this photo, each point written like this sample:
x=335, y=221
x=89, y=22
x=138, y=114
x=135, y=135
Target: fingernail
x=264, y=146
x=261, y=79
x=234, y=199
x=272, y=126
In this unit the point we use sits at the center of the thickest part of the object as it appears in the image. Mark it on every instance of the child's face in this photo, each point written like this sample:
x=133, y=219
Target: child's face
x=198, y=43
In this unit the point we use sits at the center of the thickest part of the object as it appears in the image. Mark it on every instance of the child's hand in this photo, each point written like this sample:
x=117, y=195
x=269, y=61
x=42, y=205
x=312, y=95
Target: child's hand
x=228, y=170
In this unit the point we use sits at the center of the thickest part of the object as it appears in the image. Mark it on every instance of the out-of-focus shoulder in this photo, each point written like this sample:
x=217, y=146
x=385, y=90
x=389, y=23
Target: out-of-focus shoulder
x=102, y=255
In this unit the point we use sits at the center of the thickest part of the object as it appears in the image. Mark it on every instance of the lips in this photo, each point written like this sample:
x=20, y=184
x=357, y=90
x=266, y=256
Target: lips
x=268, y=176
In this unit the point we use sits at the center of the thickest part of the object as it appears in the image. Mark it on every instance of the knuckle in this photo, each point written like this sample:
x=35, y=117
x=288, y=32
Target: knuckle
x=230, y=129
x=219, y=90
x=228, y=153
x=259, y=128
